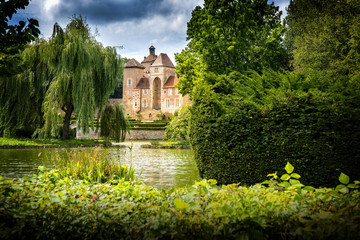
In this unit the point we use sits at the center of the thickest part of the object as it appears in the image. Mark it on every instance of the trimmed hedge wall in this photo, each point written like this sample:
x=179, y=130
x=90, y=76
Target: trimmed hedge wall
x=146, y=124
x=147, y=128
x=236, y=141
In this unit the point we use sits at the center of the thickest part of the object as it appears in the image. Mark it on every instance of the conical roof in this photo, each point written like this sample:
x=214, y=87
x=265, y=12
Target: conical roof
x=163, y=61
x=134, y=64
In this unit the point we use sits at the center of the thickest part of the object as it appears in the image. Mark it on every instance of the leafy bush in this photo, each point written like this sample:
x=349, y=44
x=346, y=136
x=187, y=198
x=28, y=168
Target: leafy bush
x=147, y=128
x=178, y=129
x=243, y=127
x=139, y=116
x=161, y=116
x=50, y=207
x=148, y=124
x=155, y=142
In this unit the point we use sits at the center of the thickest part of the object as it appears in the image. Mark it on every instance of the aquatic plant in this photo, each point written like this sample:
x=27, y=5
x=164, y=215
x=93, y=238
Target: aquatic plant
x=95, y=165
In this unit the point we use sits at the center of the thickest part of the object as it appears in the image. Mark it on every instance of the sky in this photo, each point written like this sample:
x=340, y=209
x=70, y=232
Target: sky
x=133, y=24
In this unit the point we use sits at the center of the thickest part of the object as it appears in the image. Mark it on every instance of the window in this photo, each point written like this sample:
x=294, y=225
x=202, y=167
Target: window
x=156, y=70
x=144, y=104
x=129, y=102
x=164, y=91
x=177, y=102
x=176, y=91
x=129, y=92
x=170, y=91
x=135, y=103
x=129, y=81
x=167, y=102
x=145, y=91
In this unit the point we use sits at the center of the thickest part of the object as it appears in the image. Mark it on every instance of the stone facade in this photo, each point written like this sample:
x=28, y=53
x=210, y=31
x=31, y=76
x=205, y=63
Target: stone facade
x=134, y=135
x=149, y=87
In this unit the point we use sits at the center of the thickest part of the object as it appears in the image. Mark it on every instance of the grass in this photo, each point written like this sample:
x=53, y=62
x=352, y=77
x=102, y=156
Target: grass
x=45, y=142
x=96, y=166
x=178, y=143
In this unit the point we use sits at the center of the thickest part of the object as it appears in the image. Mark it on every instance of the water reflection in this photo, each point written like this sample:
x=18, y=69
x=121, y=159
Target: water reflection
x=161, y=168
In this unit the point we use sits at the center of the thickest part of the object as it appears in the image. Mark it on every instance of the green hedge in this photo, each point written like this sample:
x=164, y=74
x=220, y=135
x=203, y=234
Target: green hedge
x=49, y=207
x=241, y=141
x=148, y=124
x=147, y=128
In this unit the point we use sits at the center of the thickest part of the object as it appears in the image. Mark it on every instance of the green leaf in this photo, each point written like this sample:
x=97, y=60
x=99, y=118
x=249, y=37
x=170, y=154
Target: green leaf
x=41, y=168
x=289, y=168
x=342, y=188
x=295, y=175
x=309, y=188
x=284, y=184
x=335, y=194
x=180, y=204
x=351, y=185
x=344, y=179
x=265, y=182
x=285, y=177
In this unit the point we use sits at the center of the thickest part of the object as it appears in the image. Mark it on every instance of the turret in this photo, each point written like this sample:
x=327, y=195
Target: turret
x=152, y=50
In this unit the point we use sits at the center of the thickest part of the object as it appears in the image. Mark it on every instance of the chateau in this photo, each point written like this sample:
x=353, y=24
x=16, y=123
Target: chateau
x=149, y=87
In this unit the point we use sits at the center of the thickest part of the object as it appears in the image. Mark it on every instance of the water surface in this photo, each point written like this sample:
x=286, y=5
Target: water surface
x=163, y=168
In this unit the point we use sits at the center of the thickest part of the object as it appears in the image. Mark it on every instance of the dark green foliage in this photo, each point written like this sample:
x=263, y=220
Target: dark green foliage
x=238, y=35
x=178, y=129
x=147, y=128
x=51, y=206
x=226, y=36
x=23, y=94
x=242, y=128
x=156, y=125
x=118, y=91
x=13, y=38
x=148, y=124
x=324, y=35
x=114, y=124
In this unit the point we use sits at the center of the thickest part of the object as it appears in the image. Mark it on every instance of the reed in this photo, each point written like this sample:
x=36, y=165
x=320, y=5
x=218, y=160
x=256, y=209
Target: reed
x=95, y=166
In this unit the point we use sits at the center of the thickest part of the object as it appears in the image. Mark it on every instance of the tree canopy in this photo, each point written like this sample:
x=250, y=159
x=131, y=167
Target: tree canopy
x=324, y=36
x=231, y=36
x=71, y=72
x=13, y=38
x=84, y=75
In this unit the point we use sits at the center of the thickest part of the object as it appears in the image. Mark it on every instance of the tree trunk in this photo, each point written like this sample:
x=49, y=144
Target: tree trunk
x=66, y=124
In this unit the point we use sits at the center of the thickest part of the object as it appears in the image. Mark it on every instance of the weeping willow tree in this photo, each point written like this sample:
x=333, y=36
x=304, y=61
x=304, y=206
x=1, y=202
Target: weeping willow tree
x=113, y=123
x=71, y=71
x=84, y=75
x=22, y=94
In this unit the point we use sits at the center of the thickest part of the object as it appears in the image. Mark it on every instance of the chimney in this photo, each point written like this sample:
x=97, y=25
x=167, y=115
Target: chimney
x=152, y=50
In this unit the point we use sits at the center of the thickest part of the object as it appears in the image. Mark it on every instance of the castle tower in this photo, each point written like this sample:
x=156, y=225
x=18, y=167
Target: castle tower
x=149, y=59
x=133, y=72
x=149, y=87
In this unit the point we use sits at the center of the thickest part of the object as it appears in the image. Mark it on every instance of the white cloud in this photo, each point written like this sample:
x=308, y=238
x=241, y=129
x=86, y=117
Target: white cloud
x=49, y=7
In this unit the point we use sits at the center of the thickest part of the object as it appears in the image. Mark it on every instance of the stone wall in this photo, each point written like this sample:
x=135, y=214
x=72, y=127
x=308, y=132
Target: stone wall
x=146, y=135
x=134, y=135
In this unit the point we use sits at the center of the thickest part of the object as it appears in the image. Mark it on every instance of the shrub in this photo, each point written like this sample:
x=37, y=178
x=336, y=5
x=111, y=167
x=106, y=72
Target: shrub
x=160, y=116
x=155, y=142
x=241, y=128
x=50, y=207
x=178, y=129
x=139, y=116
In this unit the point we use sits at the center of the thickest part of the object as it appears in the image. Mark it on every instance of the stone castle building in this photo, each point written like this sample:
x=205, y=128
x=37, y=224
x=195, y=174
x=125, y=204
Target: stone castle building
x=149, y=87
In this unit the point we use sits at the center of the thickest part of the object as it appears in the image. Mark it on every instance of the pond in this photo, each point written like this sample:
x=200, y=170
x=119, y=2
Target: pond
x=162, y=168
